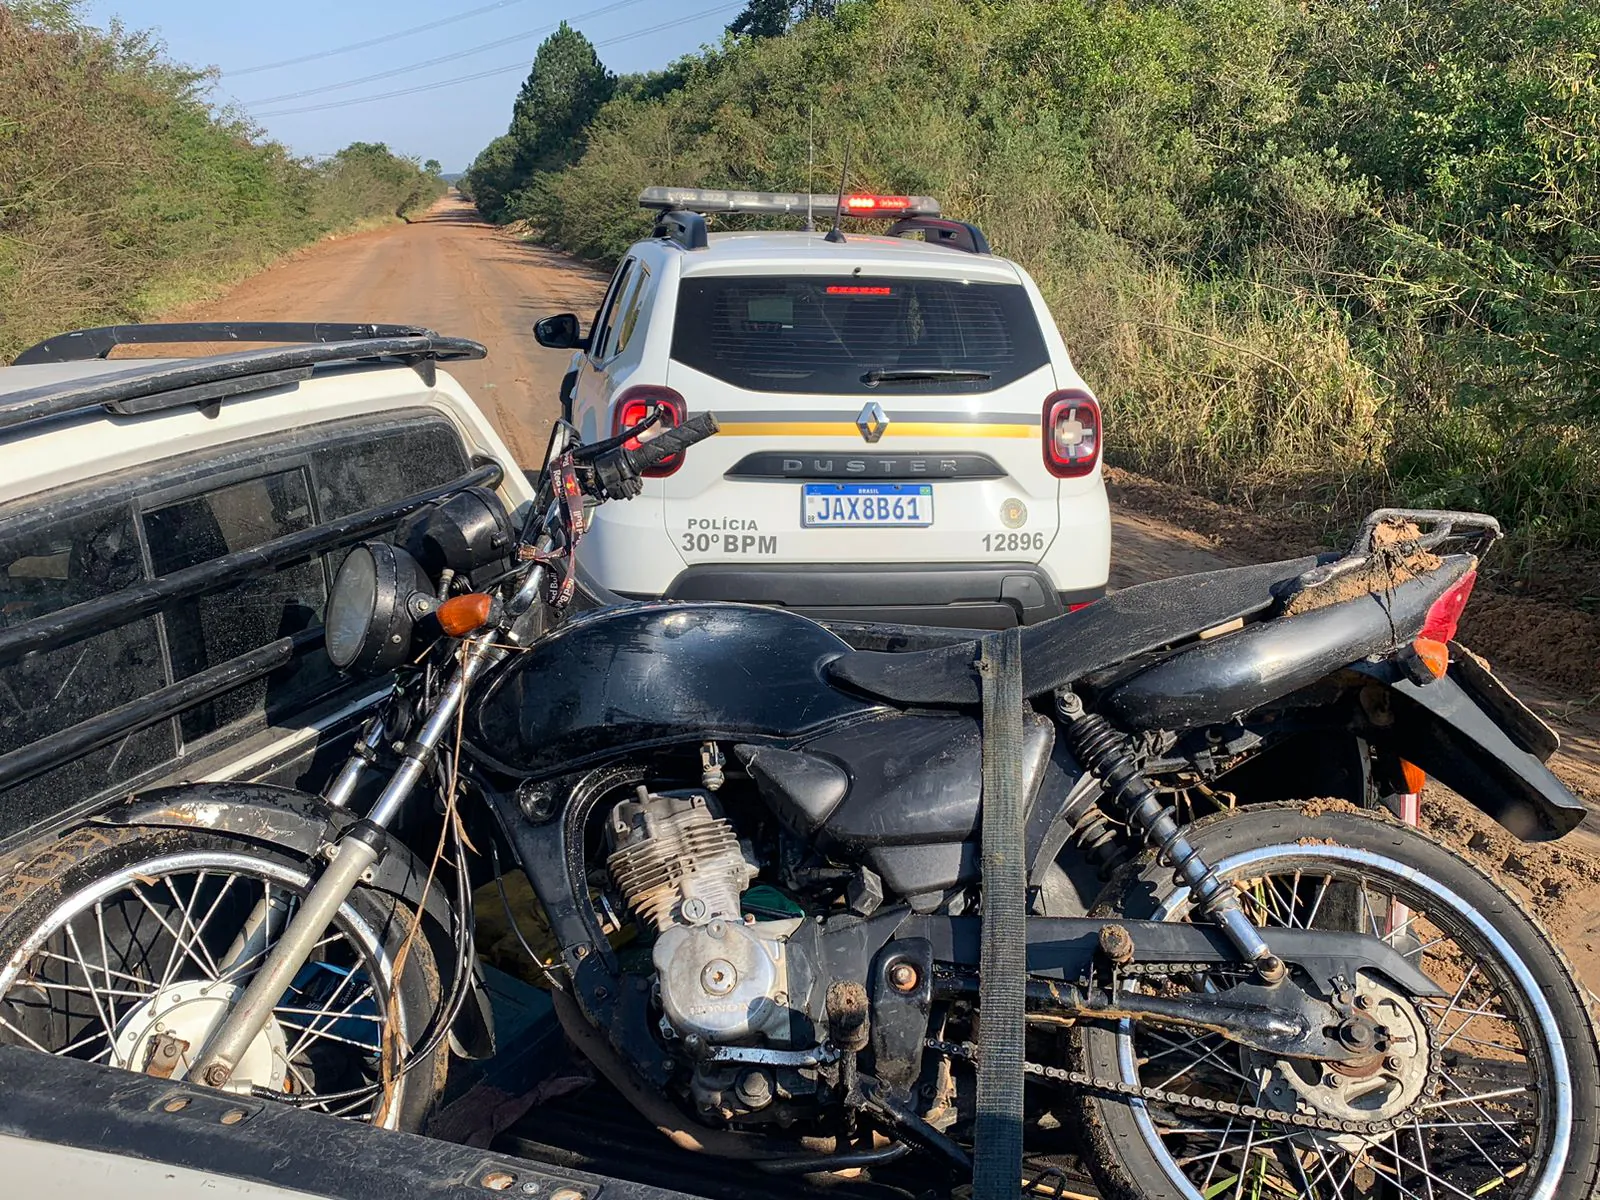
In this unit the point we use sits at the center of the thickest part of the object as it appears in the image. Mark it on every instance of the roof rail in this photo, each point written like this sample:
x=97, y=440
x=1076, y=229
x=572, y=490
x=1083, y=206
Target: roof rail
x=688, y=229
x=80, y=345
x=149, y=384
x=940, y=231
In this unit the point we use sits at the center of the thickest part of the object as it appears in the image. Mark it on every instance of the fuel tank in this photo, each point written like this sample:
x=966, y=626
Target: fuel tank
x=648, y=675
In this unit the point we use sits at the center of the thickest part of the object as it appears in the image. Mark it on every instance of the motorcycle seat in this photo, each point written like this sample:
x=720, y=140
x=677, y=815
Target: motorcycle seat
x=1057, y=652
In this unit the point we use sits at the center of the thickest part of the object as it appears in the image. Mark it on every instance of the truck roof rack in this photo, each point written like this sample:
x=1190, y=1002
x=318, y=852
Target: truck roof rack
x=80, y=345
x=150, y=384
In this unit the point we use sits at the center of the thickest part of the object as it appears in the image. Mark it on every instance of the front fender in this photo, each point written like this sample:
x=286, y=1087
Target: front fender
x=1472, y=735
x=302, y=824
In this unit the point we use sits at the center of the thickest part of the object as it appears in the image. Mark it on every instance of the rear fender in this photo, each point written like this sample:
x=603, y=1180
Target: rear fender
x=1475, y=741
x=302, y=824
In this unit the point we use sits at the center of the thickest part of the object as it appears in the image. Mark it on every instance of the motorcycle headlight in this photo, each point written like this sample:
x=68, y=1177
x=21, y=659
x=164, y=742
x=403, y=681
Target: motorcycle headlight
x=462, y=532
x=378, y=595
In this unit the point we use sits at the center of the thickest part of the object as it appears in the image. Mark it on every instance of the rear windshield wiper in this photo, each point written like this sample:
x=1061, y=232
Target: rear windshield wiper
x=922, y=375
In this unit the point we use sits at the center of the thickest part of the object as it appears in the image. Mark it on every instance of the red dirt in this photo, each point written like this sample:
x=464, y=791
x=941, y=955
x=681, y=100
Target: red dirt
x=451, y=272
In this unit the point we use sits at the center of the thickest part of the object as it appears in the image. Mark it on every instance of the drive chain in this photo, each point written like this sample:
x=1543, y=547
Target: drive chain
x=1249, y=1112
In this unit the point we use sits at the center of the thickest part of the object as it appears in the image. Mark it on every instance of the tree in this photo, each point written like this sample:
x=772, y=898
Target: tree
x=763, y=19
x=772, y=18
x=433, y=167
x=492, y=177
x=565, y=88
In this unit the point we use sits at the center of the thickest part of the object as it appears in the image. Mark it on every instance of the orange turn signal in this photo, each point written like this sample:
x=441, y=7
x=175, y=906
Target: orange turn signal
x=1415, y=777
x=460, y=615
x=1433, y=655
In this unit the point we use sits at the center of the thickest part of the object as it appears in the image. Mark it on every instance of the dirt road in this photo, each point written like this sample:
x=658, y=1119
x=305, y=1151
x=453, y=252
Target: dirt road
x=454, y=273
x=448, y=271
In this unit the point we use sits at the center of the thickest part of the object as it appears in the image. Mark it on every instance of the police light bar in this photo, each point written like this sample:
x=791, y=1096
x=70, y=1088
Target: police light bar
x=856, y=204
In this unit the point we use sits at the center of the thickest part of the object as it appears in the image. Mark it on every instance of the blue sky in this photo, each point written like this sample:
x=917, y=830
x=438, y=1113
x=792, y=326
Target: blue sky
x=450, y=123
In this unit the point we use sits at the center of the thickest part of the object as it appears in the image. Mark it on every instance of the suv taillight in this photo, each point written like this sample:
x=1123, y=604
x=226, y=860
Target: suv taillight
x=637, y=403
x=1071, y=433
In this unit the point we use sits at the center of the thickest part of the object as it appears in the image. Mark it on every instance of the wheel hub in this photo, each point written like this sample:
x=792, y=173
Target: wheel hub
x=1381, y=1085
x=167, y=1031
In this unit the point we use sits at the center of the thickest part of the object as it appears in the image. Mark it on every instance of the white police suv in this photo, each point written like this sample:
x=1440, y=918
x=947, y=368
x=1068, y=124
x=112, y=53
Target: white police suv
x=903, y=435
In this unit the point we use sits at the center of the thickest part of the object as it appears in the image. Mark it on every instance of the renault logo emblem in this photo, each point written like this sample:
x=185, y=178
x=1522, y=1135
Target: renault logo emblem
x=872, y=421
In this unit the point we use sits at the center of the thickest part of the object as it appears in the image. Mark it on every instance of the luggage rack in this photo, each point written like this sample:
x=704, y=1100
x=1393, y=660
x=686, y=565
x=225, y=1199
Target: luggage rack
x=1435, y=526
x=152, y=384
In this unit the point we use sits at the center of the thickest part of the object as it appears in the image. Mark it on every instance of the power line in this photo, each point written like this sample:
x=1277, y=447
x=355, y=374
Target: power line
x=516, y=66
x=443, y=58
x=377, y=41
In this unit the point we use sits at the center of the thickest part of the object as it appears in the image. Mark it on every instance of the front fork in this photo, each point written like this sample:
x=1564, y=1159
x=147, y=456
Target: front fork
x=354, y=854
x=350, y=858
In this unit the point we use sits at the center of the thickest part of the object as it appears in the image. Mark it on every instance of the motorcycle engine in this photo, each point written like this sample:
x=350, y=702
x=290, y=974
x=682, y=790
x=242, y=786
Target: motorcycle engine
x=679, y=866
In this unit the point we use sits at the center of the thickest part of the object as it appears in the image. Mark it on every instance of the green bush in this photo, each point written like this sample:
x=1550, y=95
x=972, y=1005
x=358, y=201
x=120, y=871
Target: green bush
x=122, y=190
x=1319, y=255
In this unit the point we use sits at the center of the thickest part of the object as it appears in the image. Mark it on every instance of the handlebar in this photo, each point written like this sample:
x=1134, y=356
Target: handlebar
x=673, y=441
x=617, y=472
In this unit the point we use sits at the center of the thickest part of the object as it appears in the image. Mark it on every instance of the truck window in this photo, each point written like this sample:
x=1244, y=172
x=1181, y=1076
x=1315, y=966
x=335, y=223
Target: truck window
x=93, y=543
x=385, y=465
x=215, y=627
x=47, y=566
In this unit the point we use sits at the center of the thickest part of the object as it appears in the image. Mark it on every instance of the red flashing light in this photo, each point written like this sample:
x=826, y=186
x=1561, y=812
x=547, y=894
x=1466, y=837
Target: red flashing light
x=842, y=290
x=1071, y=433
x=876, y=204
x=1445, y=613
x=637, y=403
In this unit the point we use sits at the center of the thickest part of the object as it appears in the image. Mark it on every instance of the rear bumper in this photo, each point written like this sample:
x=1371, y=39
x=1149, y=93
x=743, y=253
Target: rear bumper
x=973, y=596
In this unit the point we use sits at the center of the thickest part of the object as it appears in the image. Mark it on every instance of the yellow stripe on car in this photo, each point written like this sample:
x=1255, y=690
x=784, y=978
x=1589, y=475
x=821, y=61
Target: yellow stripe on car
x=951, y=429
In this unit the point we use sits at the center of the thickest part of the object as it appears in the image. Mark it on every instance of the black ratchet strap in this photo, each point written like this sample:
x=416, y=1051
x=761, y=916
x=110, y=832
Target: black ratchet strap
x=1002, y=994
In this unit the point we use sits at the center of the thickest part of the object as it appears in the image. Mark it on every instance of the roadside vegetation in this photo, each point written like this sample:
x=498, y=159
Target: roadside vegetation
x=123, y=192
x=1313, y=257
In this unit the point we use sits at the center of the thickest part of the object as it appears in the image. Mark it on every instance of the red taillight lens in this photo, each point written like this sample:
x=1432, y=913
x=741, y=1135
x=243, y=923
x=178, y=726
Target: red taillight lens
x=1442, y=618
x=637, y=403
x=1071, y=433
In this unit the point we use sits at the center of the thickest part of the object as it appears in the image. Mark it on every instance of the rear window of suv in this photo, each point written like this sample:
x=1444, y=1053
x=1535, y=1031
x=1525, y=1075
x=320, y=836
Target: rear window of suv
x=822, y=334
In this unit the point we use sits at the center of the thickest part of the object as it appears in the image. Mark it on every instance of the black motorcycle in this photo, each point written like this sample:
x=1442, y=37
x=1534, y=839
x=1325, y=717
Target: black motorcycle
x=828, y=897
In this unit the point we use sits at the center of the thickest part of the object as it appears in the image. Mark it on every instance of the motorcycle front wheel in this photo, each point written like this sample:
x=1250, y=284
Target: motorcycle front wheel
x=127, y=946
x=1505, y=1108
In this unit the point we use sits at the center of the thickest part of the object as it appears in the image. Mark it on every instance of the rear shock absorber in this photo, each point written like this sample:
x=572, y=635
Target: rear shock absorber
x=1105, y=752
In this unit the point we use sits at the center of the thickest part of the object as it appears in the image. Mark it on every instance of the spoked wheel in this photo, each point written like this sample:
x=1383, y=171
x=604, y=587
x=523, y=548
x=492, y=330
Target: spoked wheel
x=1492, y=1086
x=128, y=946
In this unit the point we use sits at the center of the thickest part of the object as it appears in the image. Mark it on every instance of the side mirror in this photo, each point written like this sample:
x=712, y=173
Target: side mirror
x=560, y=332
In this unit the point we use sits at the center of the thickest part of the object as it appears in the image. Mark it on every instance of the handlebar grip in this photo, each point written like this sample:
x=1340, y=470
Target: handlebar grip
x=673, y=441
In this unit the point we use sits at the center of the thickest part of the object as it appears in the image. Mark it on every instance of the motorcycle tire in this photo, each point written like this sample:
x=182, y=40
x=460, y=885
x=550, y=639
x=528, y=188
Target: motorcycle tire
x=1140, y=1150
x=105, y=890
